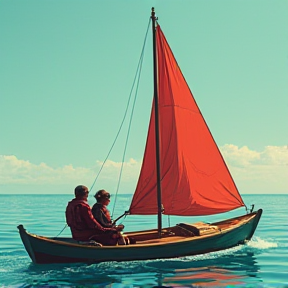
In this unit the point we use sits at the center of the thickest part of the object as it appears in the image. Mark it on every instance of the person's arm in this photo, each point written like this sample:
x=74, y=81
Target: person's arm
x=98, y=216
x=91, y=221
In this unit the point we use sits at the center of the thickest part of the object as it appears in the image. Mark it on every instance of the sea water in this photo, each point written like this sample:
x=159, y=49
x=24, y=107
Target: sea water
x=263, y=262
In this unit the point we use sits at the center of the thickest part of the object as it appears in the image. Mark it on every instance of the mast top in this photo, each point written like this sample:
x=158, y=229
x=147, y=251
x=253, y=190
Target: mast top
x=153, y=17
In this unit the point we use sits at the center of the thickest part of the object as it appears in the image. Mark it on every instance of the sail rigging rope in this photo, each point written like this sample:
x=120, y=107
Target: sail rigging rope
x=136, y=79
x=66, y=225
x=139, y=69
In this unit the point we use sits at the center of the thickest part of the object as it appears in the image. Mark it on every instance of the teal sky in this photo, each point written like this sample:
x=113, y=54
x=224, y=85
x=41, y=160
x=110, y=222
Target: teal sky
x=67, y=68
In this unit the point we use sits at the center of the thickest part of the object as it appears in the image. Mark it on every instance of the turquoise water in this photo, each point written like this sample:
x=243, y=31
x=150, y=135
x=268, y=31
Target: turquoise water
x=263, y=262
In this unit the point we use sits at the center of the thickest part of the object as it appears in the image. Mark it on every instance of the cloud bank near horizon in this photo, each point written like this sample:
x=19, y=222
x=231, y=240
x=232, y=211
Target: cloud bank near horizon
x=258, y=172
x=254, y=172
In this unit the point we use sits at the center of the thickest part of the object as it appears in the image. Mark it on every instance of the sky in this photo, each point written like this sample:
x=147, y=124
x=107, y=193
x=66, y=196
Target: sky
x=67, y=69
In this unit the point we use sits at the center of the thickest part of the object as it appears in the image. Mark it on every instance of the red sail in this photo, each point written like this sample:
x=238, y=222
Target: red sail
x=194, y=177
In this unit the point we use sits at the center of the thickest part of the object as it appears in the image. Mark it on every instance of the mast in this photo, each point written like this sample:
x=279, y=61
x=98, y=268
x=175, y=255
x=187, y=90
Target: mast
x=159, y=201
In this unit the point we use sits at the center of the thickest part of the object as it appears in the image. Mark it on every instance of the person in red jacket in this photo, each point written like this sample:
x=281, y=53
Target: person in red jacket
x=102, y=216
x=83, y=225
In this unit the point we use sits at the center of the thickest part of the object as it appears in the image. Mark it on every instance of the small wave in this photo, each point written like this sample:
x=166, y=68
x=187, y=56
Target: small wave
x=259, y=243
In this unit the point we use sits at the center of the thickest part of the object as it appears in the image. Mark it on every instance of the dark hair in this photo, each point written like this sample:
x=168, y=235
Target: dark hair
x=80, y=190
x=101, y=194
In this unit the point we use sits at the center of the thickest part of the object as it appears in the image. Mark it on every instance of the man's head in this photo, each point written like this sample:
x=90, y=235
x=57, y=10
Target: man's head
x=102, y=195
x=81, y=192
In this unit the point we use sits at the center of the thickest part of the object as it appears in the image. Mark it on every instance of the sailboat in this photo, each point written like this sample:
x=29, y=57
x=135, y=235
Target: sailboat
x=183, y=173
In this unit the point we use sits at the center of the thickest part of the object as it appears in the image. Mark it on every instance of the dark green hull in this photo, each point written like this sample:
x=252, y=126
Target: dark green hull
x=66, y=250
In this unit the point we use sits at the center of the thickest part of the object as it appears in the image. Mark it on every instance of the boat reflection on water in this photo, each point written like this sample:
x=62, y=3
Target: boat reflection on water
x=221, y=270
x=208, y=276
x=235, y=266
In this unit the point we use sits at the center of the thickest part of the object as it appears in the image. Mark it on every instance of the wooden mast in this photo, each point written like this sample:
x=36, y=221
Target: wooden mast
x=159, y=201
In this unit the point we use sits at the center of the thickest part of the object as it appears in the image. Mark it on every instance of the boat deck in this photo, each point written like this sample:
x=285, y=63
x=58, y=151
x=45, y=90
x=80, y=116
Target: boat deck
x=183, y=231
x=177, y=233
x=162, y=240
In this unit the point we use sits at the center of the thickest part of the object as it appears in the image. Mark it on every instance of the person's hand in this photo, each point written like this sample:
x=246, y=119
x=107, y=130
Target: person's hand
x=119, y=227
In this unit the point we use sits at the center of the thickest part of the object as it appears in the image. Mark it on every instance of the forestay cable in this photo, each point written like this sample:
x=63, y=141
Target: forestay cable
x=139, y=68
x=137, y=76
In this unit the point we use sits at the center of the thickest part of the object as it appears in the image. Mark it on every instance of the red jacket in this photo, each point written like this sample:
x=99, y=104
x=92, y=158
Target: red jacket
x=81, y=221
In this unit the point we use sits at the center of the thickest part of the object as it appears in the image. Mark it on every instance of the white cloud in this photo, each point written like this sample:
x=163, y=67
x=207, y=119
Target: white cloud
x=258, y=172
x=111, y=169
x=253, y=171
x=17, y=171
x=14, y=170
x=241, y=157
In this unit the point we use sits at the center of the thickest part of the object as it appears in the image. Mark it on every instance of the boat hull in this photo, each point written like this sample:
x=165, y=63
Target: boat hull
x=235, y=231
